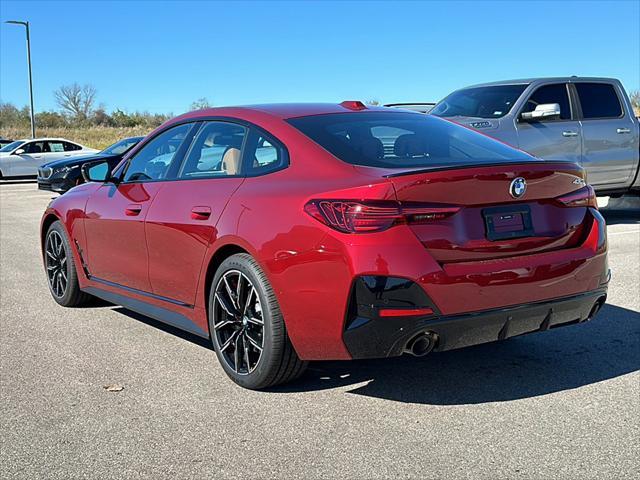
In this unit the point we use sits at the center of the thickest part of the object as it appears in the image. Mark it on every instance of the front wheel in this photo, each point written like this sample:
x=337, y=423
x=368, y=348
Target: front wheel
x=247, y=329
x=61, y=269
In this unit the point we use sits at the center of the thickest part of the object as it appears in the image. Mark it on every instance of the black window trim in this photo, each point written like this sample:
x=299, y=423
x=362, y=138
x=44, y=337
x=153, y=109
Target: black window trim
x=255, y=130
x=122, y=167
x=203, y=122
x=177, y=159
x=615, y=90
x=572, y=106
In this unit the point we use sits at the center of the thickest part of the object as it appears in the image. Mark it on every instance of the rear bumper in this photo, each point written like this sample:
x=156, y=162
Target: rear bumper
x=387, y=337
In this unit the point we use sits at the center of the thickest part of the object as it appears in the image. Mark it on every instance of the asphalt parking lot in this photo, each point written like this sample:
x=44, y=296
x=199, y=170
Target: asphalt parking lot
x=559, y=404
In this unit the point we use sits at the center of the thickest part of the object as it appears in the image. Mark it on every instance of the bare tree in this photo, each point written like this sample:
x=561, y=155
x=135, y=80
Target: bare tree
x=76, y=100
x=373, y=102
x=201, y=103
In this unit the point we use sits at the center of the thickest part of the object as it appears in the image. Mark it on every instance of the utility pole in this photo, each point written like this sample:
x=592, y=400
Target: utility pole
x=33, y=114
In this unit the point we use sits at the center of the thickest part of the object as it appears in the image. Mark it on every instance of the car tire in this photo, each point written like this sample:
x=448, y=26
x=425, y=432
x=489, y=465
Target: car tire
x=253, y=355
x=60, y=268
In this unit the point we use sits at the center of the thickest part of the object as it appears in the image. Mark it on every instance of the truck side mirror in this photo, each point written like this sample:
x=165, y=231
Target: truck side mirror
x=544, y=111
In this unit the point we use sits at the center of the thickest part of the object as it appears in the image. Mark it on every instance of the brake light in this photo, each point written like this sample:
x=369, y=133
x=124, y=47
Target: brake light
x=353, y=105
x=349, y=216
x=584, y=197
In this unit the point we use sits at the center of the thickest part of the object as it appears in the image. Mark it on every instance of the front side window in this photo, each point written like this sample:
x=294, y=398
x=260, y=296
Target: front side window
x=153, y=160
x=480, y=102
x=264, y=154
x=556, y=93
x=403, y=140
x=215, y=152
x=35, y=147
x=598, y=100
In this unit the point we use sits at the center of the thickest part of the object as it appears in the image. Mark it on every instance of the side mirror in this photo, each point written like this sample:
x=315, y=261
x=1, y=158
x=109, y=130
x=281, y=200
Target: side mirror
x=19, y=151
x=97, y=171
x=546, y=111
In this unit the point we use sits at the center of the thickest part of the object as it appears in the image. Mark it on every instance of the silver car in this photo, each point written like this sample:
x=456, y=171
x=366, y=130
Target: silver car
x=21, y=159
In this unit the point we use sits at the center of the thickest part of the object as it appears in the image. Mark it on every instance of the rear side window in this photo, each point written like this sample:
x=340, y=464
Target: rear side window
x=598, y=100
x=556, y=93
x=403, y=140
x=56, y=147
x=215, y=152
x=264, y=154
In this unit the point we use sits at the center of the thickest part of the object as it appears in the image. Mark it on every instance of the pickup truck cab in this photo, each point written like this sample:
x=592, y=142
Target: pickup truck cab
x=589, y=121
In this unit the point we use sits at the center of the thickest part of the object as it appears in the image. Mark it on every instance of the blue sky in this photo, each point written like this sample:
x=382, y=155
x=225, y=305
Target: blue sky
x=161, y=56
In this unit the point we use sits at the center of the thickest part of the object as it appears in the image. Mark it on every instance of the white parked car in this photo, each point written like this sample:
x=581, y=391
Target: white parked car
x=23, y=157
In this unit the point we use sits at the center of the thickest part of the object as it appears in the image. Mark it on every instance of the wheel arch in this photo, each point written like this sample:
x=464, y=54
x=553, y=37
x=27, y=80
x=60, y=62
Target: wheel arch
x=47, y=221
x=219, y=256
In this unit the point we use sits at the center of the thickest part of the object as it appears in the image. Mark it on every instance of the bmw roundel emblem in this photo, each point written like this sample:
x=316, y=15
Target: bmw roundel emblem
x=518, y=187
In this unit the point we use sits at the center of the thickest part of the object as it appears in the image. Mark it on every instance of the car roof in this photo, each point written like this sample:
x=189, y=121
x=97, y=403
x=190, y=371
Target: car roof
x=279, y=110
x=527, y=81
x=47, y=139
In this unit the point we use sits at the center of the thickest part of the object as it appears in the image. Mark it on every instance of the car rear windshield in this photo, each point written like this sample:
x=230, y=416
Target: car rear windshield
x=480, y=102
x=403, y=140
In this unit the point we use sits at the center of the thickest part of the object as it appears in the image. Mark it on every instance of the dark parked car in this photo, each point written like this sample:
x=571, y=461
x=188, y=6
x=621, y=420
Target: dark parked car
x=289, y=233
x=61, y=175
x=4, y=141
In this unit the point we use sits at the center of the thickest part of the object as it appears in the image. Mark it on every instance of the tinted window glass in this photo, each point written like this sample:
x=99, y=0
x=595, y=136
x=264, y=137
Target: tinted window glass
x=70, y=147
x=264, y=154
x=215, y=151
x=119, y=148
x=556, y=93
x=401, y=140
x=598, y=100
x=482, y=102
x=35, y=147
x=153, y=160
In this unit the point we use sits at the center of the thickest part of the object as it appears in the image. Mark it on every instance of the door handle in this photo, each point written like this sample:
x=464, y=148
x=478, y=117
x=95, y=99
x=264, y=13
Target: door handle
x=67, y=154
x=133, y=210
x=623, y=130
x=200, y=213
x=569, y=133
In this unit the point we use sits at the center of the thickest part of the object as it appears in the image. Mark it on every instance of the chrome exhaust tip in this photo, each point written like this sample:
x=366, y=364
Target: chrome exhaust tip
x=596, y=307
x=421, y=344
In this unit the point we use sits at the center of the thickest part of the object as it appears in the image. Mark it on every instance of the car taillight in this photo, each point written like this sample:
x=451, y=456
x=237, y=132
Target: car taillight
x=584, y=197
x=350, y=216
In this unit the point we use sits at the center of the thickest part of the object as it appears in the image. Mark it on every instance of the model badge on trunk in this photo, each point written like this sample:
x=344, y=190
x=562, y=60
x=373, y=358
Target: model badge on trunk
x=518, y=187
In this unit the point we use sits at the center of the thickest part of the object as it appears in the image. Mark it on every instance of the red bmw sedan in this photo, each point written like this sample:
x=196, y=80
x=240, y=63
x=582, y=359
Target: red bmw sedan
x=290, y=233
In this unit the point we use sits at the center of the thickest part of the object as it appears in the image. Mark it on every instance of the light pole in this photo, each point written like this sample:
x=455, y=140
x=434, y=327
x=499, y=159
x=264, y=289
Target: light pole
x=33, y=116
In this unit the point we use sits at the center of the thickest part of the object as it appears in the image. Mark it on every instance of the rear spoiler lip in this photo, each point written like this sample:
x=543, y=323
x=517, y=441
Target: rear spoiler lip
x=482, y=165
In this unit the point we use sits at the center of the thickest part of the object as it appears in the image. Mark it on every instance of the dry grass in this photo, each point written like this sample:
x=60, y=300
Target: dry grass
x=94, y=137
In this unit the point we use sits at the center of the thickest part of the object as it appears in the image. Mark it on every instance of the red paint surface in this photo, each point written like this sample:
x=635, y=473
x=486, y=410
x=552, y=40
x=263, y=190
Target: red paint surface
x=166, y=248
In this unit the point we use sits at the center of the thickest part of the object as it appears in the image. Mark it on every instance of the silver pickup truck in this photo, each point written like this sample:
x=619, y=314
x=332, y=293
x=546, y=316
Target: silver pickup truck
x=586, y=120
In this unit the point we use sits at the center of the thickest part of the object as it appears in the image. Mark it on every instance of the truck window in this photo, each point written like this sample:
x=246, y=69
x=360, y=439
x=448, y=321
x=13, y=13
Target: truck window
x=556, y=93
x=598, y=100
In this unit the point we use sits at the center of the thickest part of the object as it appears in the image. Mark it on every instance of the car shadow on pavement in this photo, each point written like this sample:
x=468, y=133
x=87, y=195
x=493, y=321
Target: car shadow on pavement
x=528, y=366
x=621, y=217
x=523, y=367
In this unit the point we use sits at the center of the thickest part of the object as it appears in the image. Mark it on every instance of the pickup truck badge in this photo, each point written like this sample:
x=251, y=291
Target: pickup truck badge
x=480, y=124
x=518, y=187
